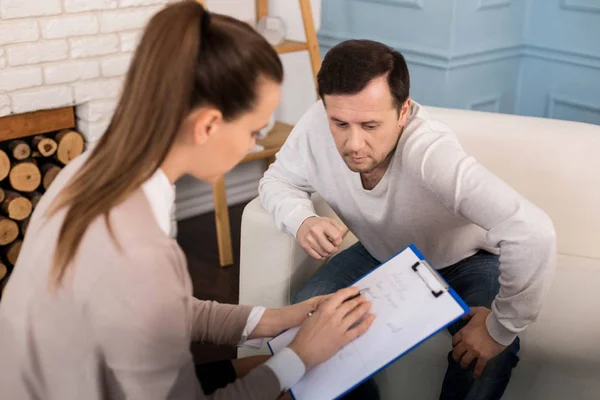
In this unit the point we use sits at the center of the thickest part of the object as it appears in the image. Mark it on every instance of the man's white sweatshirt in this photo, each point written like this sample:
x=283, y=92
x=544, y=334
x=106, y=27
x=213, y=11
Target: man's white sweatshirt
x=432, y=195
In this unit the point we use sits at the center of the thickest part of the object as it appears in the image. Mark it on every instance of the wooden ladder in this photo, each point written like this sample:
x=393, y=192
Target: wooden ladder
x=276, y=137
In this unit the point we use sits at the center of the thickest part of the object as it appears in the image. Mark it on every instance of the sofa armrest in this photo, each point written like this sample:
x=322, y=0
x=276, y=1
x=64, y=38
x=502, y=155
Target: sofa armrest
x=272, y=263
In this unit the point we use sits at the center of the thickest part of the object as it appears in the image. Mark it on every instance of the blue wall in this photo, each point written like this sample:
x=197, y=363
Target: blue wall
x=530, y=57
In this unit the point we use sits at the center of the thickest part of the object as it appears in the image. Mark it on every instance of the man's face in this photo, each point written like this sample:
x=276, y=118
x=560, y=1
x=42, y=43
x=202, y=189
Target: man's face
x=366, y=126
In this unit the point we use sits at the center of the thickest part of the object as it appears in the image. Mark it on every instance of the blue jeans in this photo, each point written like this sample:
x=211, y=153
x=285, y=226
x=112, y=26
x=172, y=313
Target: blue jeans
x=475, y=279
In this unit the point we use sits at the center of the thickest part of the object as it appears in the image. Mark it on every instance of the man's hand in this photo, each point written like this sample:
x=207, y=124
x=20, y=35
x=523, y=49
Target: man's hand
x=320, y=237
x=474, y=342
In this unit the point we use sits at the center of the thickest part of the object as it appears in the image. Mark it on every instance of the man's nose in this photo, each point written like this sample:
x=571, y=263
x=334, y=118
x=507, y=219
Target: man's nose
x=355, y=141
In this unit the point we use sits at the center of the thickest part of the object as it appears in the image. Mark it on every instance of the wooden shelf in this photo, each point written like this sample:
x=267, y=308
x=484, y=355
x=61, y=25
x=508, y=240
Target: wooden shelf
x=272, y=143
x=290, y=46
x=34, y=123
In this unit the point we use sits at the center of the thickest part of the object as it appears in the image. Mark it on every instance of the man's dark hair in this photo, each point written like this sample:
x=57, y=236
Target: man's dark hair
x=349, y=66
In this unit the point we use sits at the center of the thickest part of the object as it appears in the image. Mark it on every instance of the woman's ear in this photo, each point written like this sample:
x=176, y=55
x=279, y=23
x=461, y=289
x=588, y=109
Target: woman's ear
x=206, y=124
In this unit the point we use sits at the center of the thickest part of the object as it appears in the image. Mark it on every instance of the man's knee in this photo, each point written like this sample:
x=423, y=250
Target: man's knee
x=311, y=289
x=506, y=360
x=500, y=367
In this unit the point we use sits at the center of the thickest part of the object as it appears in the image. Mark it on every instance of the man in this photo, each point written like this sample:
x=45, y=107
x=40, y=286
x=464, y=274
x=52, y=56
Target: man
x=396, y=177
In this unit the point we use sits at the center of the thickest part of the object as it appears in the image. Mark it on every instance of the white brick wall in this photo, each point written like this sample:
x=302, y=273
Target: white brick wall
x=55, y=53
x=38, y=52
x=20, y=78
x=4, y=105
x=2, y=58
x=93, y=130
x=96, y=110
x=135, y=3
x=12, y=32
x=94, y=45
x=42, y=98
x=73, y=6
x=29, y=8
x=120, y=20
x=97, y=90
x=71, y=71
x=117, y=65
x=69, y=26
x=129, y=40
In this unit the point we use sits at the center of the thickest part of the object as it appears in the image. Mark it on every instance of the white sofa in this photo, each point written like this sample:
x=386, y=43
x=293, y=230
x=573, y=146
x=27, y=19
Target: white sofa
x=556, y=164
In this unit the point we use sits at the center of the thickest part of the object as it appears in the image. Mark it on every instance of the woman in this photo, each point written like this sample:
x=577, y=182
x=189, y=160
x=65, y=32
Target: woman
x=100, y=304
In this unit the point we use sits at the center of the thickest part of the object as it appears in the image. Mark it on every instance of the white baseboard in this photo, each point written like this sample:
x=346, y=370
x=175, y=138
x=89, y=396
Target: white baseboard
x=195, y=197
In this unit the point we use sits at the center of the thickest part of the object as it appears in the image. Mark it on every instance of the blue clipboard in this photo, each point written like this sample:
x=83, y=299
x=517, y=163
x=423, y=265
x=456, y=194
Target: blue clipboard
x=447, y=288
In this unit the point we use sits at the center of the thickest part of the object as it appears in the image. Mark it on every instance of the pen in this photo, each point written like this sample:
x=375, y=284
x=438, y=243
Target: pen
x=356, y=295
x=348, y=299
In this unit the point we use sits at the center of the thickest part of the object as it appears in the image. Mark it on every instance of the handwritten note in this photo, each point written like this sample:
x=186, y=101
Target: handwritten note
x=406, y=312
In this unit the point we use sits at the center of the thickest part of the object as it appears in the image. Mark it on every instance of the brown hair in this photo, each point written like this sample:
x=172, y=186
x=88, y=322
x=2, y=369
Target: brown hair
x=349, y=66
x=186, y=58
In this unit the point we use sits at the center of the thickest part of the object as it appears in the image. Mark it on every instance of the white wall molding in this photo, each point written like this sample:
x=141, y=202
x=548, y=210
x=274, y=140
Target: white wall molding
x=489, y=104
x=443, y=60
x=578, y=5
x=415, y=54
x=492, y=4
x=563, y=56
x=417, y=4
x=556, y=100
x=430, y=57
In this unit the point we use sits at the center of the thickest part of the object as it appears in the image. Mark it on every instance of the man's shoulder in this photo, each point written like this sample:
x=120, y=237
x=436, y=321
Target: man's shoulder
x=423, y=129
x=423, y=121
x=422, y=134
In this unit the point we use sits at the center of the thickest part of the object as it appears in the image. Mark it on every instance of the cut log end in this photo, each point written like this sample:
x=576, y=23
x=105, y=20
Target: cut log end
x=19, y=149
x=9, y=231
x=4, y=165
x=45, y=146
x=16, y=206
x=3, y=271
x=70, y=145
x=49, y=171
x=25, y=176
x=12, y=253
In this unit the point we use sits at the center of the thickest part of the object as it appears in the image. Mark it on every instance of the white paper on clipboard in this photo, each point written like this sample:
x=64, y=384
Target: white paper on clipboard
x=411, y=303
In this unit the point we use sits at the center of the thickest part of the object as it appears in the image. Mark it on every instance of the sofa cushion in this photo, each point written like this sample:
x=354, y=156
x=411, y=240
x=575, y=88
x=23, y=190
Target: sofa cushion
x=564, y=342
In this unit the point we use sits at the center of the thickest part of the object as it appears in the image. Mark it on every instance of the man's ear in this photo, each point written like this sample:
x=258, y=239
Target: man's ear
x=404, y=111
x=206, y=124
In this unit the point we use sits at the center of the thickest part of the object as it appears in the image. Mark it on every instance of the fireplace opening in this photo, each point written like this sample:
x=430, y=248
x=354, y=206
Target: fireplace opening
x=34, y=147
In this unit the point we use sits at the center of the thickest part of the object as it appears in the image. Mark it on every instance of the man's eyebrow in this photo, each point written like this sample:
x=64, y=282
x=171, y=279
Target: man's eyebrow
x=337, y=119
x=371, y=121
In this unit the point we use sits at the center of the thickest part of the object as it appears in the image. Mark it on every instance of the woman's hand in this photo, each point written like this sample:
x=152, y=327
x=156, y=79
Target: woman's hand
x=276, y=320
x=335, y=323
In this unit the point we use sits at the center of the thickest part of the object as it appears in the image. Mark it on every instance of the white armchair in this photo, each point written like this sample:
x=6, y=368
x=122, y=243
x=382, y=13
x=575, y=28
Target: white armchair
x=556, y=164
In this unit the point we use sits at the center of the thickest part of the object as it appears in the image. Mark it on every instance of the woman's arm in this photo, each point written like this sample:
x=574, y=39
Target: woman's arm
x=141, y=322
x=276, y=320
x=218, y=323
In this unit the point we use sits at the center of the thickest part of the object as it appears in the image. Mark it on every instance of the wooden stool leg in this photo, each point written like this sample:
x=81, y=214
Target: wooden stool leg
x=311, y=38
x=222, y=221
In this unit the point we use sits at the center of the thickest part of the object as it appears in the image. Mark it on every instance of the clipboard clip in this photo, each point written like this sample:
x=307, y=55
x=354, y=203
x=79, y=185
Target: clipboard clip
x=430, y=278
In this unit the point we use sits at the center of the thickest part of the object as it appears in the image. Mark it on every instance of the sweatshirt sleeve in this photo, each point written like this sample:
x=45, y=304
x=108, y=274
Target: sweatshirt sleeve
x=285, y=188
x=523, y=232
x=218, y=323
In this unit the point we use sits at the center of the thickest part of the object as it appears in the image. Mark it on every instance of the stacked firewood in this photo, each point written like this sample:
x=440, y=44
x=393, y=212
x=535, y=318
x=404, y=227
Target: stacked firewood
x=27, y=168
